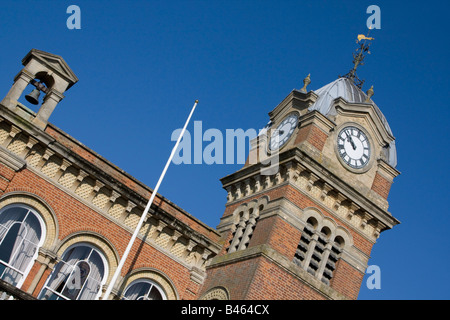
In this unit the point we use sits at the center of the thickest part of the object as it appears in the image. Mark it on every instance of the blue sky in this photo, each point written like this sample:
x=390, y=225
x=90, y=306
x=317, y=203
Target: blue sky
x=141, y=65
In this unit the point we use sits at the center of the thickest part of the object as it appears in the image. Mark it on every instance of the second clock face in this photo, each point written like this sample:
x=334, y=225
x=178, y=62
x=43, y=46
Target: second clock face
x=353, y=147
x=283, y=132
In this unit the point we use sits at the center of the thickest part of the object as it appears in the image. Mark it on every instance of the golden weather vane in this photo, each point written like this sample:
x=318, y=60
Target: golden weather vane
x=358, y=57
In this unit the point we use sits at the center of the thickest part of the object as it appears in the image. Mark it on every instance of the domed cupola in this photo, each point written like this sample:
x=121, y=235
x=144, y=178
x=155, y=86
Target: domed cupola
x=346, y=89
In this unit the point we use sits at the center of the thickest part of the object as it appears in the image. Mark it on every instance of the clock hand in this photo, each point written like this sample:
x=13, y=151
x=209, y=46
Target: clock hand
x=349, y=139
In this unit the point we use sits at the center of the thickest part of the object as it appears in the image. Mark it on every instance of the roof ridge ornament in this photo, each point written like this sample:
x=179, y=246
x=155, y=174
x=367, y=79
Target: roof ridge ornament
x=369, y=93
x=358, y=58
x=306, y=82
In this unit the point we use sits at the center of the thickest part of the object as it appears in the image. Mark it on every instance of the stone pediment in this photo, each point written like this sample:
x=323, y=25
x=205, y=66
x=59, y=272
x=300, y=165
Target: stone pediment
x=296, y=100
x=54, y=63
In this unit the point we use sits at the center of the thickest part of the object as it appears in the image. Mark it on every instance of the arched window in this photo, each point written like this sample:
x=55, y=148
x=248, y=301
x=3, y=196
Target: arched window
x=22, y=232
x=144, y=289
x=244, y=229
x=79, y=276
x=305, y=241
x=317, y=252
x=333, y=257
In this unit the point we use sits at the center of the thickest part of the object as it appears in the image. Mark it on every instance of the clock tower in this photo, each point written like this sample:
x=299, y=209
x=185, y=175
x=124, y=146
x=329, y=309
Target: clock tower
x=306, y=230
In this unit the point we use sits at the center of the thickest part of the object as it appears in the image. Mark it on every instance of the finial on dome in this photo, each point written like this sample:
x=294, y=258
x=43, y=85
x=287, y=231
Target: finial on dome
x=370, y=93
x=306, y=82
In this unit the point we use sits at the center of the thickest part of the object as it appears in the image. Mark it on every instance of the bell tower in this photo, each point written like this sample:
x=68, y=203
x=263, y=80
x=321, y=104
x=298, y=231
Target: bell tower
x=306, y=231
x=50, y=75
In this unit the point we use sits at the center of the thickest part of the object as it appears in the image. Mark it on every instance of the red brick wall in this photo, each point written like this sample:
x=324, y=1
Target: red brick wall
x=346, y=279
x=6, y=175
x=311, y=133
x=303, y=202
x=236, y=277
x=270, y=280
x=259, y=279
x=277, y=233
x=381, y=185
x=73, y=216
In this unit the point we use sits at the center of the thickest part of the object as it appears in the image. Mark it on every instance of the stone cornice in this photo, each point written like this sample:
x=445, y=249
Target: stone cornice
x=387, y=170
x=297, y=98
x=367, y=111
x=315, y=181
x=26, y=146
x=318, y=119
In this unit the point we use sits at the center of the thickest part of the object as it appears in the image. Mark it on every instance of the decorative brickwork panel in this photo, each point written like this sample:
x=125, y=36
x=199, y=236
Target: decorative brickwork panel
x=116, y=210
x=101, y=199
x=68, y=178
x=35, y=156
x=132, y=220
x=85, y=188
x=51, y=167
x=178, y=248
x=162, y=239
x=18, y=144
x=4, y=131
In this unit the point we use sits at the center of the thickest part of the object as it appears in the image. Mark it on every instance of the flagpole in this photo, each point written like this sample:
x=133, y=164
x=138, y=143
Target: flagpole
x=147, y=208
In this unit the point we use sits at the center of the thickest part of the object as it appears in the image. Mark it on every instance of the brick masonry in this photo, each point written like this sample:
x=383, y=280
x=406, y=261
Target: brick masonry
x=74, y=217
x=381, y=185
x=82, y=197
x=270, y=280
x=312, y=134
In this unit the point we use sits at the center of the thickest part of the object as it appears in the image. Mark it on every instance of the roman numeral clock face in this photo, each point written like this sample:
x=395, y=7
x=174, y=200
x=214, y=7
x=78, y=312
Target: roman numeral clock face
x=283, y=132
x=353, y=147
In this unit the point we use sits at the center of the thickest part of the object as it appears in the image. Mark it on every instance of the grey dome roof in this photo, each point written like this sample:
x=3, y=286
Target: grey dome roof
x=347, y=90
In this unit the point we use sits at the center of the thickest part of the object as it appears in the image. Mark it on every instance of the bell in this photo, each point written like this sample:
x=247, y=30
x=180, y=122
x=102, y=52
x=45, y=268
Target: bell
x=33, y=97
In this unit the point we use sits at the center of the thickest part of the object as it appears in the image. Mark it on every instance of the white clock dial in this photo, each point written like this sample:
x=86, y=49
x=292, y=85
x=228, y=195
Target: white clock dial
x=353, y=147
x=283, y=132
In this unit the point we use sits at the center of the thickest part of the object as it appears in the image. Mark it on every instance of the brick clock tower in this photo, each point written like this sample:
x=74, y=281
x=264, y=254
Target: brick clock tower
x=306, y=231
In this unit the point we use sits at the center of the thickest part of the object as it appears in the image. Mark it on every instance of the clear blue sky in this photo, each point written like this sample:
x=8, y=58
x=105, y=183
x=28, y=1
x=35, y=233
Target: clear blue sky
x=141, y=65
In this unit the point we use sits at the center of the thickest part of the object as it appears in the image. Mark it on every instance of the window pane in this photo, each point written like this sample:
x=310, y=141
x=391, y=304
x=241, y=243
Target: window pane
x=76, y=253
x=7, y=245
x=20, y=234
x=48, y=295
x=143, y=289
x=12, y=214
x=11, y=276
x=79, y=276
x=155, y=294
x=33, y=224
x=137, y=291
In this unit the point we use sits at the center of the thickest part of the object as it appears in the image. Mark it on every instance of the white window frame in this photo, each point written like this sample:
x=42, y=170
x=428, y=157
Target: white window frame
x=38, y=246
x=152, y=284
x=79, y=244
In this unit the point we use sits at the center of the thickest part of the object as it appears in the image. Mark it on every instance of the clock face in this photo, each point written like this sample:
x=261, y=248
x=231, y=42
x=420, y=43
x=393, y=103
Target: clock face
x=353, y=147
x=283, y=132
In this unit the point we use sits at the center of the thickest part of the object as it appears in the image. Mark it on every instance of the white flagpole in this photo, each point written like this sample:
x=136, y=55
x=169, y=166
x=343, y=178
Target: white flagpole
x=144, y=214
